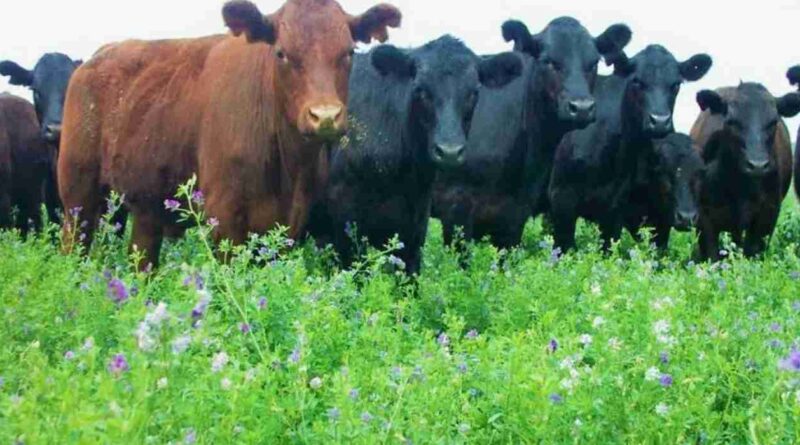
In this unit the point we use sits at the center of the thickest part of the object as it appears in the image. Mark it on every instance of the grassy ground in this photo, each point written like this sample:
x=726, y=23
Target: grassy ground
x=518, y=348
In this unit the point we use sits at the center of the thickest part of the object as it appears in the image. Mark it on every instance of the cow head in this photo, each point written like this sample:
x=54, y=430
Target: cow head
x=48, y=80
x=445, y=81
x=653, y=81
x=677, y=178
x=568, y=57
x=794, y=75
x=750, y=122
x=313, y=42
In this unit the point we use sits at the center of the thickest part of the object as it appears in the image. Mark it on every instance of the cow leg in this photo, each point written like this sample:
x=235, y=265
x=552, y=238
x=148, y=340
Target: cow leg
x=52, y=201
x=148, y=234
x=758, y=233
x=610, y=232
x=5, y=210
x=662, y=237
x=564, y=222
x=708, y=246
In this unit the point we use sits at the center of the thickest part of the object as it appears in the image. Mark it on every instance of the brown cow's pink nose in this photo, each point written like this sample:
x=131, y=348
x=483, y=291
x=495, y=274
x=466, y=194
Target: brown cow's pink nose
x=324, y=115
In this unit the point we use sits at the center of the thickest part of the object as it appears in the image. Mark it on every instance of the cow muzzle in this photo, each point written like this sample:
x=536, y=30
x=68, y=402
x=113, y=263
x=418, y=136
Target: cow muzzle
x=327, y=122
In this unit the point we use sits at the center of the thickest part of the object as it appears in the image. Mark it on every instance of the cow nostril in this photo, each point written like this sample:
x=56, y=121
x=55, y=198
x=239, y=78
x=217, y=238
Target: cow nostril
x=448, y=152
x=758, y=165
x=325, y=114
x=658, y=120
x=581, y=106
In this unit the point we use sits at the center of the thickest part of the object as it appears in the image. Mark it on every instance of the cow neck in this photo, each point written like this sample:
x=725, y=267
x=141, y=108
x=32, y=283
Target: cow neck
x=300, y=158
x=726, y=179
x=416, y=160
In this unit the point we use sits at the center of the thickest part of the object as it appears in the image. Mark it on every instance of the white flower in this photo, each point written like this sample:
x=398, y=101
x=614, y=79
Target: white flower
x=567, y=363
x=586, y=339
x=598, y=322
x=162, y=383
x=652, y=374
x=219, y=361
x=143, y=339
x=596, y=289
x=701, y=356
x=158, y=316
x=181, y=344
x=88, y=344
x=615, y=344
x=226, y=384
x=315, y=383
x=568, y=384
x=661, y=327
x=250, y=375
x=578, y=423
x=115, y=408
x=663, y=303
x=662, y=409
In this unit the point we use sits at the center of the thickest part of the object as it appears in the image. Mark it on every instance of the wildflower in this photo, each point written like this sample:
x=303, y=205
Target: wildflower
x=334, y=414
x=652, y=374
x=143, y=339
x=552, y=346
x=795, y=275
x=598, y=322
x=443, y=340
x=463, y=368
x=190, y=438
x=775, y=344
x=791, y=363
x=181, y=344
x=615, y=344
x=585, y=339
x=555, y=256
x=69, y=355
x=596, y=289
x=158, y=316
x=315, y=383
x=665, y=380
x=397, y=262
x=75, y=211
x=250, y=375
x=238, y=429
x=117, y=227
x=775, y=327
x=556, y=399
x=213, y=222
x=115, y=408
x=262, y=303
x=662, y=303
x=661, y=327
x=226, y=384
x=198, y=198
x=796, y=306
x=88, y=344
x=172, y=205
x=472, y=335
x=366, y=417
x=294, y=358
x=2, y=382
x=662, y=409
x=118, y=365
x=200, y=308
x=219, y=361
x=464, y=428
x=349, y=229
x=162, y=383
x=117, y=291
x=196, y=279
x=664, y=358
x=245, y=328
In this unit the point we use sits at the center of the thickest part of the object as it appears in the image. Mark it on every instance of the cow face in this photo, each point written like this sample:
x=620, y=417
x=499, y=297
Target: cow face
x=568, y=57
x=48, y=80
x=654, y=79
x=445, y=81
x=312, y=42
x=677, y=178
x=750, y=123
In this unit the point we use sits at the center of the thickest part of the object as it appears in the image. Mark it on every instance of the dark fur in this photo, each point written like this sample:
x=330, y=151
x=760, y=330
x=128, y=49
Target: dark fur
x=404, y=106
x=516, y=130
x=747, y=150
x=595, y=168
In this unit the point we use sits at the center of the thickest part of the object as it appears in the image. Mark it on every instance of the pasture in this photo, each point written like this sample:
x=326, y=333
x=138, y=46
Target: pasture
x=279, y=346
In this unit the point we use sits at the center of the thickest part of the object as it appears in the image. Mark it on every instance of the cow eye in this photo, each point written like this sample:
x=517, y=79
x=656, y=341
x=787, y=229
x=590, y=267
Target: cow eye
x=592, y=67
x=281, y=55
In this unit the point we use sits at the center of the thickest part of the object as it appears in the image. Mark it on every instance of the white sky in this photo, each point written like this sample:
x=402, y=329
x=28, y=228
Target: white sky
x=749, y=40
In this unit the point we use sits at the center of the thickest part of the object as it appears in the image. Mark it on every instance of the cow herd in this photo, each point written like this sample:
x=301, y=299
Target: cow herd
x=284, y=123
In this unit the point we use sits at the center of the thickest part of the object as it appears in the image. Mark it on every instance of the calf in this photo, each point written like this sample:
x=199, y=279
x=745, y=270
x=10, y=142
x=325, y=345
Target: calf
x=412, y=110
x=595, y=168
x=747, y=150
x=516, y=129
x=48, y=80
x=794, y=78
x=253, y=114
x=24, y=164
x=666, y=189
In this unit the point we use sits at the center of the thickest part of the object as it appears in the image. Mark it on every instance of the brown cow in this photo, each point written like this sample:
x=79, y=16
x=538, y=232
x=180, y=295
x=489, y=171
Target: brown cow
x=252, y=113
x=25, y=161
x=747, y=151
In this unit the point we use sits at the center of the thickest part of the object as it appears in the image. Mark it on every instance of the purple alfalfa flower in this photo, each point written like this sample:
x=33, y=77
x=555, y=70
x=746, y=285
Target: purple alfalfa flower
x=665, y=380
x=198, y=197
x=366, y=417
x=262, y=303
x=552, y=346
x=443, y=340
x=213, y=222
x=556, y=399
x=353, y=394
x=334, y=414
x=792, y=362
x=190, y=437
x=397, y=262
x=775, y=344
x=117, y=291
x=472, y=335
x=289, y=243
x=245, y=328
x=664, y=358
x=196, y=280
x=84, y=287
x=555, y=255
x=118, y=365
x=794, y=275
x=117, y=227
x=418, y=374
x=201, y=306
x=775, y=327
x=294, y=357
x=181, y=344
x=796, y=306
x=349, y=229
x=69, y=355
x=172, y=205
x=219, y=361
x=75, y=212
x=462, y=368
x=396, y=373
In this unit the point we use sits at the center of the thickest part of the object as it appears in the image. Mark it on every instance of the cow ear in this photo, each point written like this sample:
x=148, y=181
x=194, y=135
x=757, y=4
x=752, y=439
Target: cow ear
x=500, y=70
x=613, y=40
x=623, y=66
x=516, y=31
x=794, y=75
x=78, y=63
x=789, y=105
x=696, y=67
x=373, y=24
x=243, y=17
x=387, y=59
x=18, y=75
x=711, y=100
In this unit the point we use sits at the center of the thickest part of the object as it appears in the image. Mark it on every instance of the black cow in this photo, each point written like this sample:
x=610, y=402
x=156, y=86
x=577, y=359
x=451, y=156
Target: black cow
x=48, y=80
x=595, y=167
x=747, y=150
x=666, y=189
x=411, y=111
x=794, y=78
x=516, y=129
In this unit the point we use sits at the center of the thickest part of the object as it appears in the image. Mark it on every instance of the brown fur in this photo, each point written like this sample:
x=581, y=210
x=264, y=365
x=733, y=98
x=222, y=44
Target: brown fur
x=142, y=116
x=24, y=164
x=737, y=204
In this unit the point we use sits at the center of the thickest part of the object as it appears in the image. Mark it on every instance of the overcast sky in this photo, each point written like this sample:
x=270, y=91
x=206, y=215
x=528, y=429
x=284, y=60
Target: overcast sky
x=749, y=40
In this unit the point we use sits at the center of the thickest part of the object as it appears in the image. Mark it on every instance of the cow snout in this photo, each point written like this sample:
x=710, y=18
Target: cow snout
x=685, y=220
x=449, y=155
x=757, y=166
x=52, y=132
x=659, y=124
x=326, y=121
x=582, y=110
